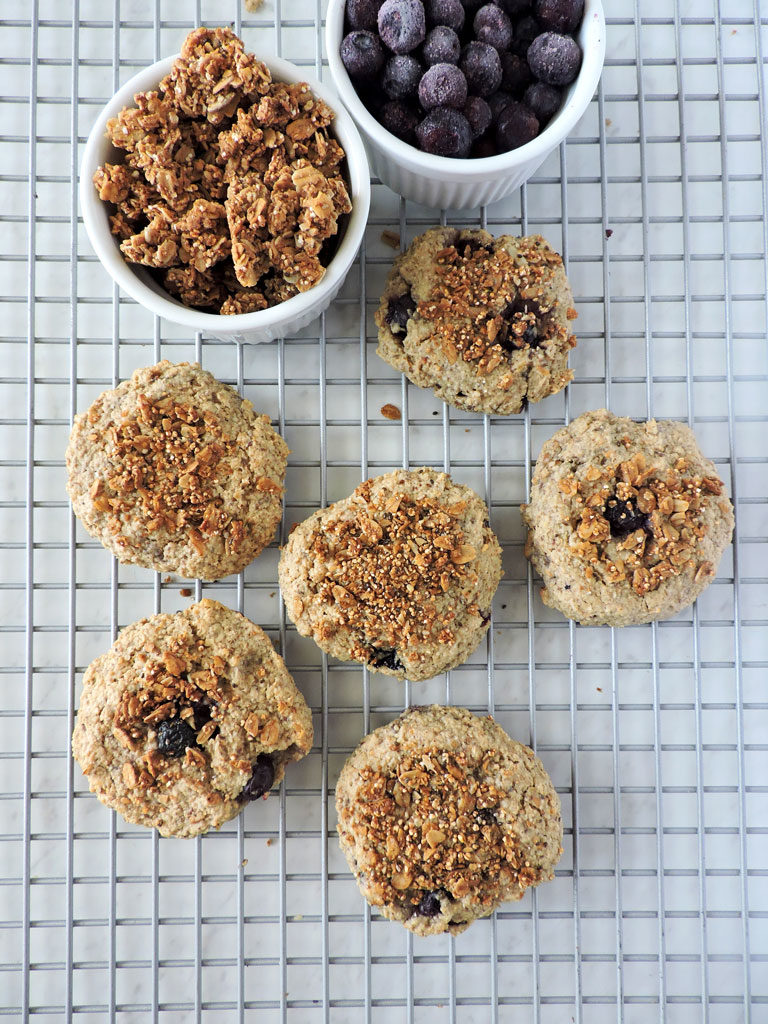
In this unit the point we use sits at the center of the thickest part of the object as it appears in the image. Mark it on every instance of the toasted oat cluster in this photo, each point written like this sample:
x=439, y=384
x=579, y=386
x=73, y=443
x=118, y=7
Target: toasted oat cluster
x=231, y=184
x=642, y=528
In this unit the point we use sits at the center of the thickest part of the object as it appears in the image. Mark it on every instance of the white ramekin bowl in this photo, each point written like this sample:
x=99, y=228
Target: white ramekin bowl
x=265, y=325
x=444, y=182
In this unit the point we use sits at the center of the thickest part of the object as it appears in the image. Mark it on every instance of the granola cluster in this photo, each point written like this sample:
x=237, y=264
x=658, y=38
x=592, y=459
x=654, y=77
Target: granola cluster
x=386, y=566
x=431, y=824
x=165, y=464
x=636, y=525
x=231, y=184
x=486, y=303
x=181, y=687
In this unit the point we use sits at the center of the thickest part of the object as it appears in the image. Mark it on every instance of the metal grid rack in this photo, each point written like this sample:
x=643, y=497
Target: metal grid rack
x=654, y=736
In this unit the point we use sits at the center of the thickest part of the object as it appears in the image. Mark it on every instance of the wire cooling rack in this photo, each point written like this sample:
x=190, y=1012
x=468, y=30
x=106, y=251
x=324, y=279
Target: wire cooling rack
x=654, y=736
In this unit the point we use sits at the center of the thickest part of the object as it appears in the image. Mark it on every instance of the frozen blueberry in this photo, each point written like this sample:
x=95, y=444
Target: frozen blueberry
x=262, y=777
x=386, y=659
x=363, y=13
x=483, y=148
x=492, y=26
x=544, y=100
x=478, y=113
x=516, y=125
x=445, y=12
x=399, y=312
x=554, y=59
x=497, y=102
x=442, y=46
x=526, y=31
x=515, y=74
x=401, y=77
x=515, y=8
x=559, y=15
x=482, y=68
x=624, y=517
x=445, y=132
x=402, y=24
x=443, y=85
x=362, y=54
x=400, y=119
x=429, y=905
x=174, y=736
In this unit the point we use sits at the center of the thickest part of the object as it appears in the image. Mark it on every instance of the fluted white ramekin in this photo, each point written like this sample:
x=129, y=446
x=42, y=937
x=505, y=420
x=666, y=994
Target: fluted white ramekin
x=446, y=182
x=266, y=324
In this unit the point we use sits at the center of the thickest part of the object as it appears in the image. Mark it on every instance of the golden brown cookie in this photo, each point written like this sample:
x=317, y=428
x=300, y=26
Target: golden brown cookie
x=399, y=576
x=442, y=817
x=174, y=471
x=186, y=718
x=482, y=321
x=627, y=521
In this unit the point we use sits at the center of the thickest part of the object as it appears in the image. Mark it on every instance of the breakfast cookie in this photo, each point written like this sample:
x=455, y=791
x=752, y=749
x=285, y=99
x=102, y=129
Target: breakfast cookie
x=399, y=575
x=442, y=817
x=627, y=521
x=174, y=471
x=482, y=321
x=186, y=718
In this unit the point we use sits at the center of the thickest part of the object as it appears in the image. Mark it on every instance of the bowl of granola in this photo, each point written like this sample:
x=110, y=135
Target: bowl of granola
x=225, y=193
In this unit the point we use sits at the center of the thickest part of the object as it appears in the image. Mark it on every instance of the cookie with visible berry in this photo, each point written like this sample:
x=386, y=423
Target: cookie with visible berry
x=174, y=471
x=187, y=718
x=484, y=322
x=442, y=817
x=627, y=521
x=399, y=576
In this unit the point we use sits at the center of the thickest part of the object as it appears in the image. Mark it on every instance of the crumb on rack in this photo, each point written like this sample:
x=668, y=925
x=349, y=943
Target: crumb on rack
x=390, y=412
x=391, y=238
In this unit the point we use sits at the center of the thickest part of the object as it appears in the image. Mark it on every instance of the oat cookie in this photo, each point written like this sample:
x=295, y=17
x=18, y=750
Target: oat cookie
x=482, y=321
x=174, y=471
x=442, y=817
x=399, y=576
x=627, y=521
x=186, y=718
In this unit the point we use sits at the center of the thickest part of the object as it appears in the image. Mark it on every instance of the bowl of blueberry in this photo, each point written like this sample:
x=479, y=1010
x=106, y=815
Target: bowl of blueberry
x=460, y=101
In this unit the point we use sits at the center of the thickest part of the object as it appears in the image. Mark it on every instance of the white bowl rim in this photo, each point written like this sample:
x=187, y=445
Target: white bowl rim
x=452, y=168
x=125, y=276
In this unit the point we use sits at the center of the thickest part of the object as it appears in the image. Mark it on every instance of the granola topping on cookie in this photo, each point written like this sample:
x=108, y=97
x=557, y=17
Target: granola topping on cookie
x=387, y=563
x=430, y=825
x=638, y=525
x=487, y=304
x=165, y=463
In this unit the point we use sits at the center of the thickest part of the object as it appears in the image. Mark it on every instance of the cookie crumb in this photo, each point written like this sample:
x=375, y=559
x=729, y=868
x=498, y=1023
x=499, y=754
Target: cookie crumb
x=253, y=5
x=390, y=412
x=391, y=238
x=185, y=592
